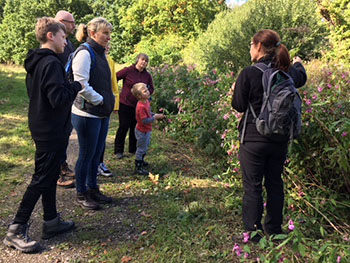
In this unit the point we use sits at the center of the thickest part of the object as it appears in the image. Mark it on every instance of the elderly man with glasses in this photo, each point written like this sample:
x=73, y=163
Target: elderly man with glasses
x=66, y=179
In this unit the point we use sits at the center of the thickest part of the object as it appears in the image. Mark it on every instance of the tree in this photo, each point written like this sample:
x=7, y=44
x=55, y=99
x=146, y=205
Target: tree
x=156, y=24
x=17, y=30
x=112, y=10
x=225, y=45
x=337, y=14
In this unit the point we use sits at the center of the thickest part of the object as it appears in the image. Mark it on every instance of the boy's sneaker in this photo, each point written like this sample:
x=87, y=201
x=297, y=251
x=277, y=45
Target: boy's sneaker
x=86, y=202
x=103, y=170
x=56, y=226
x=17, y=237
x=100, y=198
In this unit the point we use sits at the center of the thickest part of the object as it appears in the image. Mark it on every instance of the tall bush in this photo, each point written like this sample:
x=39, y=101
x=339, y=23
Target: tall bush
x=154, y=26
x=337, y=14
x=199, y=102
x=225, y=45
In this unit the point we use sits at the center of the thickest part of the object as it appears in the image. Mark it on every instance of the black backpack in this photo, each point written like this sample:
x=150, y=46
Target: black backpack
x=280, y=115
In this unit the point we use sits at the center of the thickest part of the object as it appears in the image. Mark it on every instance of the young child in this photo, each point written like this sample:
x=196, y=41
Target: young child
x=50, y=100
x=143, y=130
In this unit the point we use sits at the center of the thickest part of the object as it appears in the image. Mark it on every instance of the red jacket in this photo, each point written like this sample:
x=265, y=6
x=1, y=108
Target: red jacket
x=130, y=76
x=143, y=111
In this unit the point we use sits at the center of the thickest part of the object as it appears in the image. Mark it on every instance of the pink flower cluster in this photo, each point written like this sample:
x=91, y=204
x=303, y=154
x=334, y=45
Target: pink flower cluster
x=237, y=249
x=291, y=225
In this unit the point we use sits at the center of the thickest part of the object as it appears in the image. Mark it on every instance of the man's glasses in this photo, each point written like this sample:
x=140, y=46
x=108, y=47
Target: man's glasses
x=67, y=21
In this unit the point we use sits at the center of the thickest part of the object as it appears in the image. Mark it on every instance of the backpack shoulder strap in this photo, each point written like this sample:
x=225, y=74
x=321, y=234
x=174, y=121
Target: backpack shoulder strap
x=85, y=46
x=249, y=108
x=262, y=66
x=92, y=55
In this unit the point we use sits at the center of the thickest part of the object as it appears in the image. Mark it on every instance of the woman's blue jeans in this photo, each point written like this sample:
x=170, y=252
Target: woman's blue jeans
x=92, y=133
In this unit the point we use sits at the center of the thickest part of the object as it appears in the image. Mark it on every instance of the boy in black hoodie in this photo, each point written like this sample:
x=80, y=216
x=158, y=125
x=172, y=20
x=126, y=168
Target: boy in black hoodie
x=50, y=100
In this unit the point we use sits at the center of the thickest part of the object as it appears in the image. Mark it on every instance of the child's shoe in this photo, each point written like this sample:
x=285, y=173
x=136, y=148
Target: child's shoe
x=139, y=168
x=144, y=163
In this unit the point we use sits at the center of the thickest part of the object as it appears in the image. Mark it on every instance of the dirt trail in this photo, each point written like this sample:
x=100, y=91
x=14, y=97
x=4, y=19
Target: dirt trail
x=67, y=247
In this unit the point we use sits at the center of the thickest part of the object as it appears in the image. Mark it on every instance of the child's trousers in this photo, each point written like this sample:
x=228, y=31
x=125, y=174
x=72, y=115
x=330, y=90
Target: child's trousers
x=143, y=141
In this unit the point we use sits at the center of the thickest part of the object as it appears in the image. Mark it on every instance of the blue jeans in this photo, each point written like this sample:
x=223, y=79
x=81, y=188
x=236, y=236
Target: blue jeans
x=92, y=133
x=143, y=141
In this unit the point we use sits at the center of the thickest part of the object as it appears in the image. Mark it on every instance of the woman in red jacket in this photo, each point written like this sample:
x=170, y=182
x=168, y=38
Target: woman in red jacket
x=131, y=75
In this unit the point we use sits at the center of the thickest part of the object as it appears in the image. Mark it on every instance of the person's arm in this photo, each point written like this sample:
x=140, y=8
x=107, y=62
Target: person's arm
x=298, y=72
x=58, y=91
x=81, y=71
x=150, y=85
x=148, y=120
x=115, y=88
x=121, y=74
x=154, y=117
x=240, y=97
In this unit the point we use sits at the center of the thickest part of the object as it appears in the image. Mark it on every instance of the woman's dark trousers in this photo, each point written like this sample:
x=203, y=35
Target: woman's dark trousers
x=127, y=122
x=263, y=162
x=47, y=170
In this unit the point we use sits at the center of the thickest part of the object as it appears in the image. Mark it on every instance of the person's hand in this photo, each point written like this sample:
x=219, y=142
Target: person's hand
x=158, y=116
x=233, y=86
x=297, y=59
x=82, y=85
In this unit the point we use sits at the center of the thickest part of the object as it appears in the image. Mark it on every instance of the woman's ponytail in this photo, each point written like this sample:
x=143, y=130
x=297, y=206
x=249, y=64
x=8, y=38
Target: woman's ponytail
x=82, y=33
x=282, y=58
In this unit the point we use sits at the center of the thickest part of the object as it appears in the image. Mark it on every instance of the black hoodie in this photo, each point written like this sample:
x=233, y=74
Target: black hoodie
x=50, y=100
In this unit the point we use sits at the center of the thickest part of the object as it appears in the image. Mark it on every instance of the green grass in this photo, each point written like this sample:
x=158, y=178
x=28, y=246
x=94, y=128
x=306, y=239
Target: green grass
x=16, y=147
x=182, y=213
x=181, y=216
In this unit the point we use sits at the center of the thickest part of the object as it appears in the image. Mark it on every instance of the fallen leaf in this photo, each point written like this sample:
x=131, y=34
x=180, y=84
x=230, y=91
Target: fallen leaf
x=144, y=214
x=154, y=178
x=126, y=259
x=187, y=191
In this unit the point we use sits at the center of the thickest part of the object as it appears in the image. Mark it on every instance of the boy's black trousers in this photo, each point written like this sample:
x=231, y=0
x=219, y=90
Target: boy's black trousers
x=44, y=180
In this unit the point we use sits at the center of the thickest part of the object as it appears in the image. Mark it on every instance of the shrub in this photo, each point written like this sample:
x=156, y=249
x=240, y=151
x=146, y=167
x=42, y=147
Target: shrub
x=225, y=44
x=201, y=102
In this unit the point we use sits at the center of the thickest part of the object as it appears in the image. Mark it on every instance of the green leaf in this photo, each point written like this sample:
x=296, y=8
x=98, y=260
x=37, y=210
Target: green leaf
x=301, y=249
x=322, y=231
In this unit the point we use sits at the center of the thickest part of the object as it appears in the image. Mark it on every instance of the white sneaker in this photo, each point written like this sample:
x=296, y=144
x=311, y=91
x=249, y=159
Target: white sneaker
x=103, y=170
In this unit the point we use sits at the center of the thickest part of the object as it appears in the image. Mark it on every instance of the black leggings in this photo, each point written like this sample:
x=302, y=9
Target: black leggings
x=127, y=122
x=44, y=180
x=261, y=161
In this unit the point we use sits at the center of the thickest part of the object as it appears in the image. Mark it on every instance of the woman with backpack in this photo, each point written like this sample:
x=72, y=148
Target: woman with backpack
x=92, y=108
x=261, y=157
